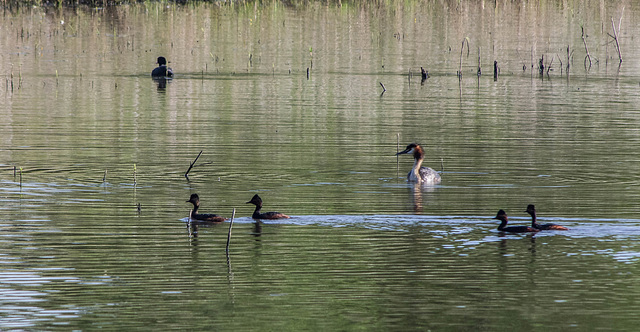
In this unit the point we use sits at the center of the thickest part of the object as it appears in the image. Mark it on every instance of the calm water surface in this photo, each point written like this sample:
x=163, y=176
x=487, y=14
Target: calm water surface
x=94, y=136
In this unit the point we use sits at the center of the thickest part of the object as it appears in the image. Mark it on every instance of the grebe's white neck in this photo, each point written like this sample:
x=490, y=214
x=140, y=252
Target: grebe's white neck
x=414, y=175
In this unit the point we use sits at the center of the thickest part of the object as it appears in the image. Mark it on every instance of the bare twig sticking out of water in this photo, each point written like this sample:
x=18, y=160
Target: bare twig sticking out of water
x=588, y=56
x=186, y=175
x=569, y=54
x=495, y=70
x=20, y=177
x=307, y=73
x=465, y=40
x=397, y=157
x=479, y=70
x=104, y=177
x=424, y=74
x=135, y=176
x=383, y=89
x=615, y=37
x=14, y=172
x=531, y=61
x=560, y=59
x=233, y=215
x=541, y=65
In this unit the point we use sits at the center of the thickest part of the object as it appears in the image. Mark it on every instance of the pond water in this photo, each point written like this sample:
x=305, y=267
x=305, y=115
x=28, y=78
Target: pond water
x=286, y=100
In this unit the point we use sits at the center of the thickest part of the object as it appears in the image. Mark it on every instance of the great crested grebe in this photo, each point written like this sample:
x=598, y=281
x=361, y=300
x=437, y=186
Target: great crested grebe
x=195, y=200
x=531, y=210
x=418, y=173
x=257, y=201
x=502, y=216
x=162, y=70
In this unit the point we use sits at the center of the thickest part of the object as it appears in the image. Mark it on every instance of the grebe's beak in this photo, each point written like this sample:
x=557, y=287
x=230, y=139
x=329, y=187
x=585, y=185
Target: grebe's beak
x=405, y=151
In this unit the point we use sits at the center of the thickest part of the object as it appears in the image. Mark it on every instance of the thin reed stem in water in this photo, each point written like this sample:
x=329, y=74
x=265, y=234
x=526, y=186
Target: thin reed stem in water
x=233, y=215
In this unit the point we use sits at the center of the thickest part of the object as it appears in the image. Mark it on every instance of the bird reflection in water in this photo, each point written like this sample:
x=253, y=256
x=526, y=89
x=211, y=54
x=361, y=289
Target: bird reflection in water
x=192, y=229
x=417, y=198
x=417, y=192
x=257, y=229
x=161, y=83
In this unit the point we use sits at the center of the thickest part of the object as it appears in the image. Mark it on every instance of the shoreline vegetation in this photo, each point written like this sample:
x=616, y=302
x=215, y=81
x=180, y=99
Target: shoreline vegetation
x=16, y=4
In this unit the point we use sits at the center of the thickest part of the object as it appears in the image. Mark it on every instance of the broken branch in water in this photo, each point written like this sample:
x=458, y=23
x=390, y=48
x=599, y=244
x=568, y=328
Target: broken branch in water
x=615, y=37
x=466, y=39
x=479, y=70
x=397, y=156
x=549, y=66
x=588, y=56
x=569, y=54
x=233, y=215
x=186, y=175
x=561, y=68
x=541, y=65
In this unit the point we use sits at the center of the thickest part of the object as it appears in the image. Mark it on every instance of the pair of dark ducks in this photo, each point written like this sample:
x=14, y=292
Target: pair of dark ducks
x=535, y=227
x=255, y=200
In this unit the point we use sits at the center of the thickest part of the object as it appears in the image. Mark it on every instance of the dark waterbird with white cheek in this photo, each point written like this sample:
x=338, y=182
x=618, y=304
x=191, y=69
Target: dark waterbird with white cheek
x=419, y=173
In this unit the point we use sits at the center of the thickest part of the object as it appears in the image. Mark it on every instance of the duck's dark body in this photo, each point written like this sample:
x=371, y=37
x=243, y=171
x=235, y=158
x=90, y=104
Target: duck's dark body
x=257, y=201
x=531, y=210
x=502, y=216
x=195, y=200
x=162, y=70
